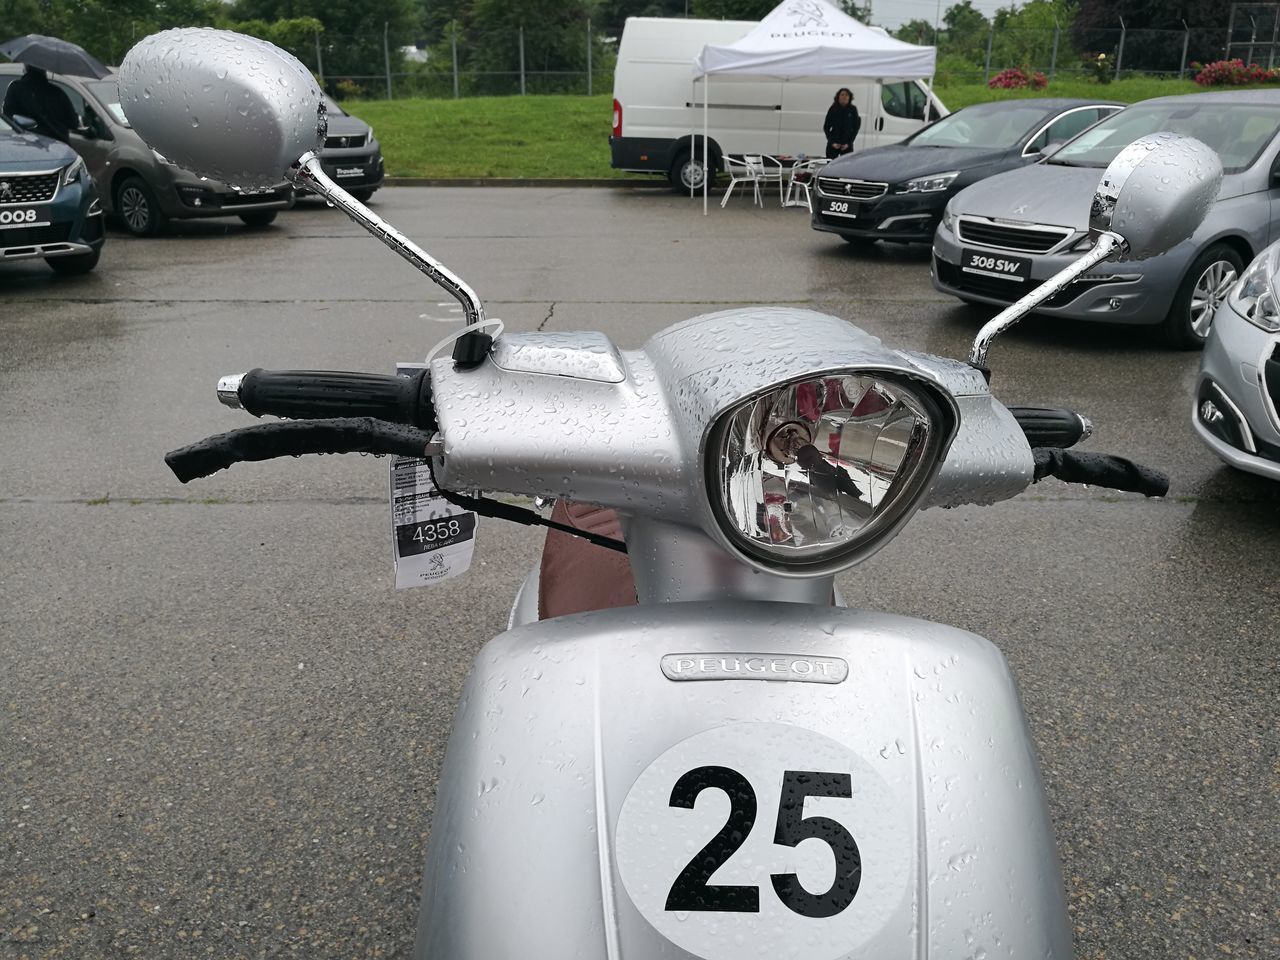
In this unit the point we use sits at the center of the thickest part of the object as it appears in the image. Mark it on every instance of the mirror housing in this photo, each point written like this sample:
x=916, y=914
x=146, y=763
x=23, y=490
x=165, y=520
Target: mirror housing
x=1155, y=194
x=225, y=106
x=24, y=123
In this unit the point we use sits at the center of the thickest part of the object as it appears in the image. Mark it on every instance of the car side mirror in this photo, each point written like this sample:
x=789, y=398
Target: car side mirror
x=24, y=123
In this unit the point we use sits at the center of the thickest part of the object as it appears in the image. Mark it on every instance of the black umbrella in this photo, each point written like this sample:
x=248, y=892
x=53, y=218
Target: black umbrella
x=54, y=55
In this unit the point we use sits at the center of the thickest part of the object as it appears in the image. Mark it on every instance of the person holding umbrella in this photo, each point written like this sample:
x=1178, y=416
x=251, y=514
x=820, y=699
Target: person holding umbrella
x=32, y=95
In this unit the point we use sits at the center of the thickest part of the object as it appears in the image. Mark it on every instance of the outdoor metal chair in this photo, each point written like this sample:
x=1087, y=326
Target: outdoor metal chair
x=747, y=170
x=801, y=181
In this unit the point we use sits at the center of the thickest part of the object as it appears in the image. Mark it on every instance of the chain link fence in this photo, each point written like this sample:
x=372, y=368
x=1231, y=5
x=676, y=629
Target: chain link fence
x=500, y=64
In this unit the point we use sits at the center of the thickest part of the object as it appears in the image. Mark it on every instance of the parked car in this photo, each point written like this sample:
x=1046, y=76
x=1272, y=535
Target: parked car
x=1237, y=408
x=351, y=155
x=898, y=192
x=1004, y=235
x=49, y=208
x=138, y=185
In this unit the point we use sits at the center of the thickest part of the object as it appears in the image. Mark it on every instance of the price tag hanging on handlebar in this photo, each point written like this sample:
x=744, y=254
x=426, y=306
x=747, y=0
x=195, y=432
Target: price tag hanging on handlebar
x=431, y=538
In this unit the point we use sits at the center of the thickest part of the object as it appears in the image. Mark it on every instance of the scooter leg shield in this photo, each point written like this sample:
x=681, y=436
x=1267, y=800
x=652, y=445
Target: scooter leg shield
x=725, y=781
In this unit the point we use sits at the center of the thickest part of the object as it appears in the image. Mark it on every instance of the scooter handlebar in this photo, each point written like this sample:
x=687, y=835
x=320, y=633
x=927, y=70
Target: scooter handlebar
x=1099, y=469
x=321, y=394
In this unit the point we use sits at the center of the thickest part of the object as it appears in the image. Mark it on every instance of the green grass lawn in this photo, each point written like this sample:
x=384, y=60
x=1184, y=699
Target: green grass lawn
x=568, y=136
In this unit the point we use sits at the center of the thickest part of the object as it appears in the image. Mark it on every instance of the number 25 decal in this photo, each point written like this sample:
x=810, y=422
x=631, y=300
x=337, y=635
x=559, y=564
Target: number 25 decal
x=692, y=892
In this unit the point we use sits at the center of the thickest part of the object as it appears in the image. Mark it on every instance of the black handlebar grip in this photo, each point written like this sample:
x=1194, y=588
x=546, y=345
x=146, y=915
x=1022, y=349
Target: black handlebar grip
x=1052, y=426
x=321, y=394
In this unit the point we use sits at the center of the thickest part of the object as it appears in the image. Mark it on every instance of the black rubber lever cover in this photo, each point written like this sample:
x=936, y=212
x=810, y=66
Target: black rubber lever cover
x=293, y=439
x=1050, y=426
x=1100, y=469
x=316, y=394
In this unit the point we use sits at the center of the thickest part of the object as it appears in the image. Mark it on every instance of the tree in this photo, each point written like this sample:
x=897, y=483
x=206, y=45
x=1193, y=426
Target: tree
x=732, y=9
x=917, y=31
x=1024, y=36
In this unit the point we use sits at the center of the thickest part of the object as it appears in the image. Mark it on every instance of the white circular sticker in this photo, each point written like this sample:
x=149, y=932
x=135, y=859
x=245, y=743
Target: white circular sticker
x=769, y=840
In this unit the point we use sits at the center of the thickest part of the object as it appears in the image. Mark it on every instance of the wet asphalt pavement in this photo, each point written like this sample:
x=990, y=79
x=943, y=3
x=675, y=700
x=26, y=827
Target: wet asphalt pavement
x=220, y=726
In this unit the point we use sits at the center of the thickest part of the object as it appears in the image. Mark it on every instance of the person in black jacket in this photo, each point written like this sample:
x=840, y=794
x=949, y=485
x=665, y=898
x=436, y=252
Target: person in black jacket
x=842, y=123
x=32, y=95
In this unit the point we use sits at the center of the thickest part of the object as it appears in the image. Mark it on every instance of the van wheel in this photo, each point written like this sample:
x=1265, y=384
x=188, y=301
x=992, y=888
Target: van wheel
x=686, y=173
x=1204, y=288
x=138, y=209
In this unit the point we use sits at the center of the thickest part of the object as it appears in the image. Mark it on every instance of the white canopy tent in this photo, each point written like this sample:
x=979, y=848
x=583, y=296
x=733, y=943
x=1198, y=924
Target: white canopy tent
x=808, y=40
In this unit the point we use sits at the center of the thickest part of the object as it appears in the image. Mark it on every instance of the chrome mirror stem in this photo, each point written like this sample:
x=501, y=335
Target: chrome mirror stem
x=1106, y=245
x=307, y=172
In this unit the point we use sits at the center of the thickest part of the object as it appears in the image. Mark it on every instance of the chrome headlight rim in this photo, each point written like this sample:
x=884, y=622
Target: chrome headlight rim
x=943, y=413
x=74, y=171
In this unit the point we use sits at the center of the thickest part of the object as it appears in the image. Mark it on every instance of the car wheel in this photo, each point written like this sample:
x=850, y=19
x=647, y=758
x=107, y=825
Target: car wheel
x=137, y=208
x=686, y=173
x=1203, y=289
x=75, y=264
x=258, y=219
x=361, y=195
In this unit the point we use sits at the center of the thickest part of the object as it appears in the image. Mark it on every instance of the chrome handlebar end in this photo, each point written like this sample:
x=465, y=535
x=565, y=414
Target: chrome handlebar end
x=229, y=391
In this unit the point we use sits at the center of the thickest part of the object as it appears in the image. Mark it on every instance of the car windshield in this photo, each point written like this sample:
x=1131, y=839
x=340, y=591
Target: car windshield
x=1237, y=131
x=109, y=94
x=995, y=126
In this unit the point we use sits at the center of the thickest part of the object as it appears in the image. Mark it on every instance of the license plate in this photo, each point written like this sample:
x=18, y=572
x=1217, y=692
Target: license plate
x=350, y=171
x=998, y=265
x=24, y=217
x=840, y=208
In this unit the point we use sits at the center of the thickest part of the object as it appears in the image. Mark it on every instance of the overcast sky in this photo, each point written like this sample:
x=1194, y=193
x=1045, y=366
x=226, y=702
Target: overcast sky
x=894, y=13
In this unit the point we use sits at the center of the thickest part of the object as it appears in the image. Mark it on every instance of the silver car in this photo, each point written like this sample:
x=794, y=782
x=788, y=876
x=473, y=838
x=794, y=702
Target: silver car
x=1002, y=236
x=1238, y=390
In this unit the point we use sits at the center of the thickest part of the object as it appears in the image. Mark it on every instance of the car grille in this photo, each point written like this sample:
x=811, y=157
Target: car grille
x=853, y=189
x=1033, y=238
x=1008, y=291
x=342, y=143
x=30, y=236
x=28, y=187
x=250, y=199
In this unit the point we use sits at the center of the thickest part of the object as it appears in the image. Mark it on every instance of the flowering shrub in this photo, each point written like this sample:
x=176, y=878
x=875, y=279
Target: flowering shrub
x=1233, y=73
x=1099, y=67
x=1016, y=78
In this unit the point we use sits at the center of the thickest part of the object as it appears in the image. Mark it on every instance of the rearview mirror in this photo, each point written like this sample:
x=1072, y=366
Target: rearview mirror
x=1156, y=193
x=228, y=107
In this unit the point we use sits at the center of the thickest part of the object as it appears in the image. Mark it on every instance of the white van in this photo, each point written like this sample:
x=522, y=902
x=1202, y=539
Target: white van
x=657, y=110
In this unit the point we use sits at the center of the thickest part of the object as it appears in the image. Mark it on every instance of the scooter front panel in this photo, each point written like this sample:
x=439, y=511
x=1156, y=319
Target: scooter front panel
x=591, y=806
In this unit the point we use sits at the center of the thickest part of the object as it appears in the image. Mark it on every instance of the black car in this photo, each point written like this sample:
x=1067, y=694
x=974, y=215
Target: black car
x=49, y=209
x=899, y=192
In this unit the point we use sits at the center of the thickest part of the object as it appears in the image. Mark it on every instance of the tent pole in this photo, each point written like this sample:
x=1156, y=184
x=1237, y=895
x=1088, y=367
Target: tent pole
x=706, y=149
x=693, y=126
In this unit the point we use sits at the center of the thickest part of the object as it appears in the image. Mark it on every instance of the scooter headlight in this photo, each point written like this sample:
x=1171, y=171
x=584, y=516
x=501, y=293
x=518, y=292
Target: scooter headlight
x=1254, y=295
x=810, y=473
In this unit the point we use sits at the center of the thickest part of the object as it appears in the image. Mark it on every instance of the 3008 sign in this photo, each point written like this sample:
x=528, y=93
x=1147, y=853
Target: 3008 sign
x=8, y=217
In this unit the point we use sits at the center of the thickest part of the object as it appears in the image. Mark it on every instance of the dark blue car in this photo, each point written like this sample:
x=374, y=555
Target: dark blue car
x=49, y=207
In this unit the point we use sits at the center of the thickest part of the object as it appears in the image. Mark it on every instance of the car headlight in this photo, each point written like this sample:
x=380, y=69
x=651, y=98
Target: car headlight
x=932, y=183
x=162, y=158
x=1254, y=295
x=1084, y=243
x=808, y=474
x=949, y=219
x=74, y=171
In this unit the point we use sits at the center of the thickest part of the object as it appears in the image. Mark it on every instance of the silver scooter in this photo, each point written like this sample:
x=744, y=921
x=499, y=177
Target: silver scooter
x=726, y=764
